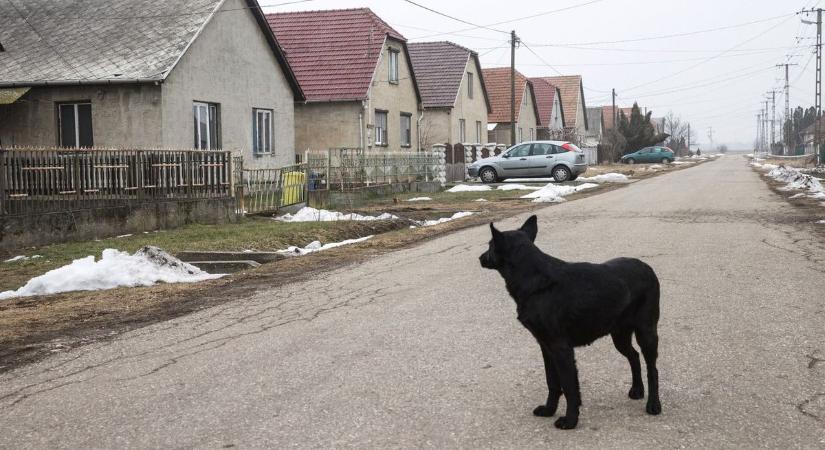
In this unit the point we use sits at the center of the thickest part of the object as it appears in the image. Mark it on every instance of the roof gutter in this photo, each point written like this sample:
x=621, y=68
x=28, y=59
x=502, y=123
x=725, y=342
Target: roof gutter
x=6, y=84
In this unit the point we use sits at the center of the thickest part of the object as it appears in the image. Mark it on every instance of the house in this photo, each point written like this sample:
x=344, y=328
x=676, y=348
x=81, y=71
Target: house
x=551, y=113
x=610, y=115
x=356, y=74
x=453, y=93
x=203, y=74
x=595, y=127
x=809, y=143
x=575, y=108
x=526, y=111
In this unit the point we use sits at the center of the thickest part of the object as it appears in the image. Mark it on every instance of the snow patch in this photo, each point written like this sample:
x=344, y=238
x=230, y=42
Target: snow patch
x=797, y=181
x=308, y=214
x=419, y=199
x=611, y=177
x=469, y=188
x=517, y=187
x=148, y=266
x=22, y=258
x=315, y=246
x=551, y=192
x=480, y=200
x=458, y=215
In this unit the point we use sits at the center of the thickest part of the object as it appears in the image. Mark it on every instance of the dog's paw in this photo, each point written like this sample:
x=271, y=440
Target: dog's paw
x=654, y=407
x=544, y=411
x=636, y=392
x=566, y=423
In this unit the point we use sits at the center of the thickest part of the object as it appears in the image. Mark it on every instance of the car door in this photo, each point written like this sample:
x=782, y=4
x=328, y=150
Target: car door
x=644, y=155
x=514, y=162
x=541, y=159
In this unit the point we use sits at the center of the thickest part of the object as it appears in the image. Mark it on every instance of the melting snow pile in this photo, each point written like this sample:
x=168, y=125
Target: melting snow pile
x=796, y=180
x=419, y=199
x=480, y=200
x=469, y=188
x=458, y=215
x=316, y=246
x=148, y=266
x=308, y=214
x=22, y=258
x=611, y=177
x=517, y=187
x=554, y=193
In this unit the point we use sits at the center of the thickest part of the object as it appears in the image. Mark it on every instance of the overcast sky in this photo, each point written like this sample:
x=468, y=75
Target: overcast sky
x=712, y=78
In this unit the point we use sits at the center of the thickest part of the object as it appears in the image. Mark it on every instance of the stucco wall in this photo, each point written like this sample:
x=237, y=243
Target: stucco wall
x=320, y=126
x=436, y=128
x=556, y=122
x=526, y=116
x=581, y=124
x=470, y=109
x=395, y=98
x=231, y=64
x=122, y=115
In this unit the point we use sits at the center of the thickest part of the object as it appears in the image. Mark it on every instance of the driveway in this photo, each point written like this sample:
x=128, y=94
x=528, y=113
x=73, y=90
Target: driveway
x=421, y=347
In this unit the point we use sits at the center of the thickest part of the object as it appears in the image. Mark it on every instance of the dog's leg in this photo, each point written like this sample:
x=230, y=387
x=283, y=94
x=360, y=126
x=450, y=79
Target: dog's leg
x=564, y=361
x=553, y=387
x=648, y=340
x=622, y=339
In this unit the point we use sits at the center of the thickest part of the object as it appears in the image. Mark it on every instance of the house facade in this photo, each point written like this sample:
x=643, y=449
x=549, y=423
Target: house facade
x=551, y=113
x=595, y=127
x=499, y=124
x=357, y=77
x=453, y=94
x=575, y=107
x=181, y=88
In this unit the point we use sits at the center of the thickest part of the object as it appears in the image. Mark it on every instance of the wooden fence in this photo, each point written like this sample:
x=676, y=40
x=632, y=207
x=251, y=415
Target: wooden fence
x=46, y=180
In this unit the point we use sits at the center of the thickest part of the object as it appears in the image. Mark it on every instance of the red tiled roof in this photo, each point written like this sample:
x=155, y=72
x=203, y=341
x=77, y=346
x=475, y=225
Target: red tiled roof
x=546, y=94
x=498, y=88
x=333, y=53
x=570, y=87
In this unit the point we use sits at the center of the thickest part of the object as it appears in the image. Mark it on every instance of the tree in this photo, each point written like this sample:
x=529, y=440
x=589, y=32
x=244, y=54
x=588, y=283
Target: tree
x=638, y=131
x=678, y=131
x=722, y=148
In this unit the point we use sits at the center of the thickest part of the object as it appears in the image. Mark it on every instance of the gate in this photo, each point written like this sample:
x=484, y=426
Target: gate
x=454, y=157
x=261, y=191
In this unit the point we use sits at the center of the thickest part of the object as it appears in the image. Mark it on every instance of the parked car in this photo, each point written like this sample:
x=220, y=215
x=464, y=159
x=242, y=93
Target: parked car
x=662, y=155
x=561, y=160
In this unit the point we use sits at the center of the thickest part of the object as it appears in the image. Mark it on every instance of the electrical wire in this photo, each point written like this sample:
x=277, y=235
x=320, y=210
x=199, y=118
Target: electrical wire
x=454, y=18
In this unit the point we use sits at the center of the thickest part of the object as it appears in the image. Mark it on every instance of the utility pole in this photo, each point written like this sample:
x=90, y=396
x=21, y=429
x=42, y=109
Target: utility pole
x=513, y=43
x=710, y=136
x=688, y=139
x=818, y=90
x=758, y=132
x=615, y=113
x=773, y=118
x=785, y=133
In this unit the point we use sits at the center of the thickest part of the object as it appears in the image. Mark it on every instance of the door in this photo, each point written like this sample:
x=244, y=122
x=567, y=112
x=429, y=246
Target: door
x=514, y=162
x=541, y=159
x=645, y=155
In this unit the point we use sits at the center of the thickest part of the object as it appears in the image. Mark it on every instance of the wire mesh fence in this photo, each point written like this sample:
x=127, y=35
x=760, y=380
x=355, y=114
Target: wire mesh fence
x=347, y=169
x=267, y=190
x=46, y=180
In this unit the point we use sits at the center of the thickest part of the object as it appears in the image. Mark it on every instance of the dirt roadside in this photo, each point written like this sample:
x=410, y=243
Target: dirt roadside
x=33, y=328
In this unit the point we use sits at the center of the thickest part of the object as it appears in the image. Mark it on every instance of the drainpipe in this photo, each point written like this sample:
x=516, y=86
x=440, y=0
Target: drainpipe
x=418, y=129
x=361, y=126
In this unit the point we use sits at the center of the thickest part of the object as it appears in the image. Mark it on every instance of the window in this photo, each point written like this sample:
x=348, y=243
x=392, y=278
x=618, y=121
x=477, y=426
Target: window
x=75, y=125
x=406, y=129
x=531, y=134
x=262, y=131
x=207, y=128
x=520, y=135
x=541, y=150
x=380, y=127
x=393, y=66
x=478, y=132
x=470, y=84
x=462, y=130
x=520, y=151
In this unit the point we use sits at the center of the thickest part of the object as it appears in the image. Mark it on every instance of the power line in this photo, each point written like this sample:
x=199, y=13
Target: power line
x=557, y=70
x=455, y=18
x=670, y=36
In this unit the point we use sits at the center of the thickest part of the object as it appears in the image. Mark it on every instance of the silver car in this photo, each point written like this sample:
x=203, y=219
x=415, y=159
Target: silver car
x=561, y=160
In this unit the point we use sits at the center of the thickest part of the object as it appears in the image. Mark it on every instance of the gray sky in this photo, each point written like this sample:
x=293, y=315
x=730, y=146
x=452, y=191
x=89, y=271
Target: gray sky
x=712, y=79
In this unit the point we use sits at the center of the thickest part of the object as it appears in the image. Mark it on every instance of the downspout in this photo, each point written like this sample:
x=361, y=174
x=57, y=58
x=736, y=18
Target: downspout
x=361, y=126
x=418, y=129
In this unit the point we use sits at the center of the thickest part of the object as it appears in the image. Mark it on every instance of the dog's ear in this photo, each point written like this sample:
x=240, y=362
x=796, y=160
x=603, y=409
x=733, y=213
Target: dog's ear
x=531, y=227
x=498, y=236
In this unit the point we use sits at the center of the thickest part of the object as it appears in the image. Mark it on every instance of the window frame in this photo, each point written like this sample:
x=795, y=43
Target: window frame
x=256, y=112
x=478, y=132
x=469, y=85
x=394, y=55
x=213, y=125
x=381, y=132
x=76, y=111
x=462, y=131
x=512, y=151
x=406, y=134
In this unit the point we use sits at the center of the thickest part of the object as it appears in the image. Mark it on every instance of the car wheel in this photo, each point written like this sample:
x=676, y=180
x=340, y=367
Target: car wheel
x=561, y=174
x=665, y=160
x=488, y=175
x=630, y=161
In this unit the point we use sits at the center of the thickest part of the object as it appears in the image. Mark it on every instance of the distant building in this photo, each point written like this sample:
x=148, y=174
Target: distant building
x=573, y=103
x=526, y=111
x=551, y=113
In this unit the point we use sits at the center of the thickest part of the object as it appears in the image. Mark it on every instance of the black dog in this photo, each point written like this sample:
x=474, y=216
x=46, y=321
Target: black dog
x=566, y=305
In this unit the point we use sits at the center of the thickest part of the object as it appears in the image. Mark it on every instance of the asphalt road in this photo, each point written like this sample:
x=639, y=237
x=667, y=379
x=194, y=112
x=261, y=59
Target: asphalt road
x=421, y=347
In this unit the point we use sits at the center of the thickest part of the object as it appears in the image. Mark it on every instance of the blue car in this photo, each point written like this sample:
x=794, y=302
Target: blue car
x=662, y=155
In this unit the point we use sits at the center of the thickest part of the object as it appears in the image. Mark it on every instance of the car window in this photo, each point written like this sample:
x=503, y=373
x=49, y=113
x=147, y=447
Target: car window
x=657, y=150
x=644, y=150
x=557, y=149
x=521, y=150
x=541, y=150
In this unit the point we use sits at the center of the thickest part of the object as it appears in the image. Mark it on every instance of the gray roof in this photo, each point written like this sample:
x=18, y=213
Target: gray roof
x=101, y=41
x=439, y=68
